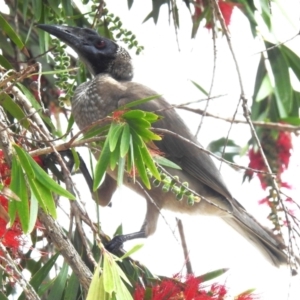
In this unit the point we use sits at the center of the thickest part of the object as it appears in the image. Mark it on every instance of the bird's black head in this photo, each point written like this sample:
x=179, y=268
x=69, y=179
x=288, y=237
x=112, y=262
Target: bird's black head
x=100, y=54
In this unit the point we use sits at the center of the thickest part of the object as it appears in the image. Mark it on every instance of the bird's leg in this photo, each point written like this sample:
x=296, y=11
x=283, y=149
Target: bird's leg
x=117, y=242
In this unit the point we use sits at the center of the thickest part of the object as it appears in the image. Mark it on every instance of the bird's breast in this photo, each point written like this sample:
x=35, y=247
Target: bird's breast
x=95, y=100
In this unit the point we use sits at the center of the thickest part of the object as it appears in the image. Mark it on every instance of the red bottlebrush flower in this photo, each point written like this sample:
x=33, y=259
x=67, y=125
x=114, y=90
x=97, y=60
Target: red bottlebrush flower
x=4, y=170
x=192, y=287
x=174, y=289
x=226, y=9
x=139, y=293
x=247, y=297
x=198, y=9
x=256, y=163
x=10, y=237
x=38, y=160
x=118, y=114
x=284, y=146
x=264, y=201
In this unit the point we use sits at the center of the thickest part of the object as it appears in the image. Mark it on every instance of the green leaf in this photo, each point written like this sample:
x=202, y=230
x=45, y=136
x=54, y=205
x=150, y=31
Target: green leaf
x=265, y=89
x=38, y=278
x=5, y=63
x=43, y=196
x=76, y=159
x=149, y=162
x=114, y=157
x=18, y=185
x=108, y=277
x=139, y=163
x=282, y=88
x=125, y=140
x=292, y=120
x=121, y=170
x=37, y=9
x=101, y=165
x=71, y=122
x=72, y=288
x=34, y=208
x=24, y=159
x=95, y=131
x=165, y=162
x=151, y=117
x=96, y=290
x=36, y=105
x=293, y=60
x=59, y=285
x=67, y=8
x=11, y=33
x=139, y=123
x=114, y=134
x=14, y=109
x=3, y=297
x=146, y=134
x=211, y=275
x=40, y=175
x=134, y=114
x=200, y=88
x=134, y=249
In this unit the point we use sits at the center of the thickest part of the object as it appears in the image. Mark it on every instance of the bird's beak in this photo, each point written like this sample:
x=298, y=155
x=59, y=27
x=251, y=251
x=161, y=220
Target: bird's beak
x=67, y=34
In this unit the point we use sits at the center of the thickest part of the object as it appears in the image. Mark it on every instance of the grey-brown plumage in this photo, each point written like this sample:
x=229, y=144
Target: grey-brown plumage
x=112, y=87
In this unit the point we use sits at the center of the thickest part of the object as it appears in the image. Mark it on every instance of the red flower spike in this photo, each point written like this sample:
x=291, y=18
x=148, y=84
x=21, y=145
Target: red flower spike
x=117, y=115
x=226, y=9
x=38, y=160
x=139, y=293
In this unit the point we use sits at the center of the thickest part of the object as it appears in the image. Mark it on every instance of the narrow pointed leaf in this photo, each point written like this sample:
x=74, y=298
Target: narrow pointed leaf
x=139, y=163
x=12, y=35
x=5, y=63
x=114, y=156
x=212, y=275
x=96, y=290
x=165, y=162
x=149, y=162
x=121, y=170
x=114, y=135
x=139, y=123
x=14, y=109
x=59, y=285
x=134, y=114
x=41, y=176
x=72, y=288
x=134, y=249
x=151, y=117
x=34, y=207
x=125, y=140
x=101, y=165
x=18, y=186
x=24, y=162
x=41, y=274
x=108, y=277
x=39, y=193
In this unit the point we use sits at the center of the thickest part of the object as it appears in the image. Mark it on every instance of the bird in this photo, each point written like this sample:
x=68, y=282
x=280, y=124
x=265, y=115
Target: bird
x=111, y=87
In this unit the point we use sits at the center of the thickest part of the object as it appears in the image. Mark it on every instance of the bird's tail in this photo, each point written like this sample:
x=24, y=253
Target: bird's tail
x=270, y=245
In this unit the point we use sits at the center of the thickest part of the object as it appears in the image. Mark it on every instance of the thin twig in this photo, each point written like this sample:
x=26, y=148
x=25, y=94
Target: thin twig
x=25, y=285
x=268, y=125
x=188, y=263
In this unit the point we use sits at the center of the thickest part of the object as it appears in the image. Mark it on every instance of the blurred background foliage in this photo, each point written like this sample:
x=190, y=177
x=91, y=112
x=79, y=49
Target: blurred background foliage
x=47, y=82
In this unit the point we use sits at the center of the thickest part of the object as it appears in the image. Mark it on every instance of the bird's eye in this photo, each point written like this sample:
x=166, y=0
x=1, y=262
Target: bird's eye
x=100, y=44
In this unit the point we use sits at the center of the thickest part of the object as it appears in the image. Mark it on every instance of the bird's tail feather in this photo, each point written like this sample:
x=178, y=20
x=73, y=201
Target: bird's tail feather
x=270, y=245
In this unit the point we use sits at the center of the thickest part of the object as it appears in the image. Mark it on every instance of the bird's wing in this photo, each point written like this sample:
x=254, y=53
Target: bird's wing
x=190, y=158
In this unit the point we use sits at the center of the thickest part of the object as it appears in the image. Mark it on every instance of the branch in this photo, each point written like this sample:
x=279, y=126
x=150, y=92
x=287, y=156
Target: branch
x=268, y=125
